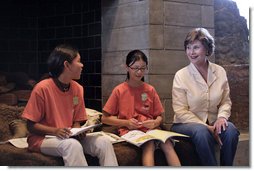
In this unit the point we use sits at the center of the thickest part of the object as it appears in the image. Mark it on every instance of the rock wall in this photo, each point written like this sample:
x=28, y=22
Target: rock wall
x=232, y=52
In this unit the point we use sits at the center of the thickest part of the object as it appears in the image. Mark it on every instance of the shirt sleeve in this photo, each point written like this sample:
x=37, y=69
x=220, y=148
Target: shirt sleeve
x=224, y=109
x=35, y=108
x=111, y=106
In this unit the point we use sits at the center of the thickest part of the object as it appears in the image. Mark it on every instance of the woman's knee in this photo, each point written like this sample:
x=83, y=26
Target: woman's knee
x=190, y=128
x=231, y=130
x=201, y=135
x=201, y=131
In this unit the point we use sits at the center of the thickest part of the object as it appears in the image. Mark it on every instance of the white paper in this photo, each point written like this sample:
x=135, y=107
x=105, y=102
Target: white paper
x=76, y=131
x=19, y=142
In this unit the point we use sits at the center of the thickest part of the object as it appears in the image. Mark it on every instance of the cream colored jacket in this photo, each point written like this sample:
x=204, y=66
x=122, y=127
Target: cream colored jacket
x=194, y=100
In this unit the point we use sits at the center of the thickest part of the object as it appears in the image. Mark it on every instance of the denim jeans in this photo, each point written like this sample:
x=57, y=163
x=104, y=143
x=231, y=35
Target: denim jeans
x=205, y=143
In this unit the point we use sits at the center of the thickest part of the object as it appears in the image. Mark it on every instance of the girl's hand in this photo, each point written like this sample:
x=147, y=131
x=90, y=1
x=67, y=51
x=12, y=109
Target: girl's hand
x=81, y=135
x=63, y=133
x=151, y=124
x=133, y=124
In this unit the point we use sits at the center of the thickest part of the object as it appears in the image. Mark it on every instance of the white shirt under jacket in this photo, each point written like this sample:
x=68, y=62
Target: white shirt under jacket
x=196, y=101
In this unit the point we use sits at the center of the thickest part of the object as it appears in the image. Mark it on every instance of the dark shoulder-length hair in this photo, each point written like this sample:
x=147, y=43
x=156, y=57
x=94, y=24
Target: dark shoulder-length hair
x=58, y=56
x=132, y=57
x=202, y=35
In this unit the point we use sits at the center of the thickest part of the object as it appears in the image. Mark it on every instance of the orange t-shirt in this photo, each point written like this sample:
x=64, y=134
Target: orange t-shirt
x=141, y=103
x=51, y=107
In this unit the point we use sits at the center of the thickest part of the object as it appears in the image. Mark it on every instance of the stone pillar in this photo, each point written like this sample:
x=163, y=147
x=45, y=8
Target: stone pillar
x=124, y=27
x=158, y=28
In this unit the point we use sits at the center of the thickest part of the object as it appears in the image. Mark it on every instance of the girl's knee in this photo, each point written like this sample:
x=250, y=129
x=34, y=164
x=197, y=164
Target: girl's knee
x=168, y=145
x=148, y=145
x=103, y=142
x=71, y=145
x=71, y=142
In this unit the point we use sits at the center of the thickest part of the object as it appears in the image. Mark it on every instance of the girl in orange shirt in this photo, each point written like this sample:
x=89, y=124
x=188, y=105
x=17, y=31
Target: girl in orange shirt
x=135, y=104
x=57, y=104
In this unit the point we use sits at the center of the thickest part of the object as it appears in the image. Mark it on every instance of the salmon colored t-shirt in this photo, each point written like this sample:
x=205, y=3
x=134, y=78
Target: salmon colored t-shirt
x=141, y=103
x=51, y=107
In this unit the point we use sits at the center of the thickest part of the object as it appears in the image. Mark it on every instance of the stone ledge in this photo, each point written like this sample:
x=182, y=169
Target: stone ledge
x=242, y=152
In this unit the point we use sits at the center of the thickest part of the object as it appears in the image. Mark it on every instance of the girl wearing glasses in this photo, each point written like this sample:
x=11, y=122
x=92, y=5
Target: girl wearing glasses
x=135, y=105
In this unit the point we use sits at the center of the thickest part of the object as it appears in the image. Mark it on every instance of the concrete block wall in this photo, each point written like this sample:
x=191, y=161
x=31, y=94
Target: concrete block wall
x=158, y=28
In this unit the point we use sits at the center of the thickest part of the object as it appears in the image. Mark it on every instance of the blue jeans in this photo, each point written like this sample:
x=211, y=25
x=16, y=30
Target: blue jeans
x=205, y=143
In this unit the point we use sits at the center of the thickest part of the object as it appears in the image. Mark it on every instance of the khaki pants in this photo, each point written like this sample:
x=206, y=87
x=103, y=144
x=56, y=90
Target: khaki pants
x=72, y=151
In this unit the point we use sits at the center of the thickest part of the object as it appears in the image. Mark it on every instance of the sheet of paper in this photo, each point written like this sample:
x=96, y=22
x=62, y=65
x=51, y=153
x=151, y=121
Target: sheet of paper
x=19, y=142
x=76, y=131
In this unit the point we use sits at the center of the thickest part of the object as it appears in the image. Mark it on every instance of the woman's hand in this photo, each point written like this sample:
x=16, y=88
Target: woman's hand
x=220, y=123
x=81, y=135
x=215, y=134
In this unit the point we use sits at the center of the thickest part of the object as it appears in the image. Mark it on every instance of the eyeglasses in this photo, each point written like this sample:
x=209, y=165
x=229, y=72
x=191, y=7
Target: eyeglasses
x=136, y=69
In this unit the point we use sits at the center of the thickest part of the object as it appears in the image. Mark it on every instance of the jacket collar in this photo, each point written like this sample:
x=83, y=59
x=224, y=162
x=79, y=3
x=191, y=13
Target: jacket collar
x=211, y=77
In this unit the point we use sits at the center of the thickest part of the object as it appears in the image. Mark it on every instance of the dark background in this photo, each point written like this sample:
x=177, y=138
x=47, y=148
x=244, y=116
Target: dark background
x=30, y=29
